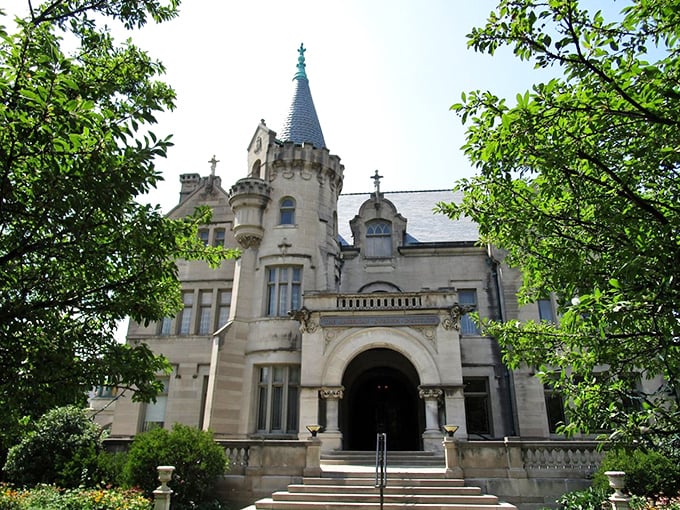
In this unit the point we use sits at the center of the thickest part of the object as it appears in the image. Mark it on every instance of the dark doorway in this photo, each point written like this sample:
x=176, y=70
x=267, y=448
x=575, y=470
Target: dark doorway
x=381, y=388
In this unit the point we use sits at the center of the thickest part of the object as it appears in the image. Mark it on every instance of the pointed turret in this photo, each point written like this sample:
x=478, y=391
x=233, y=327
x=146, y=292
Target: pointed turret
x=302, y=124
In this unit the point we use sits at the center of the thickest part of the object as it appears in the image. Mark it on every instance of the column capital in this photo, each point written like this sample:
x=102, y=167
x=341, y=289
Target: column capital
x=332, y=392
x=429, y=393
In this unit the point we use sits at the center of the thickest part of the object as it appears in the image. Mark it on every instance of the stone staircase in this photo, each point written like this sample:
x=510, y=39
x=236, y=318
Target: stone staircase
x=414, y=480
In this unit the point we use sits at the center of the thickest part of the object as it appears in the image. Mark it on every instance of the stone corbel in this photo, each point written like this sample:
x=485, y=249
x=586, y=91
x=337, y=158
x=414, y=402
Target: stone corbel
x=452, y=319
x=304, y=317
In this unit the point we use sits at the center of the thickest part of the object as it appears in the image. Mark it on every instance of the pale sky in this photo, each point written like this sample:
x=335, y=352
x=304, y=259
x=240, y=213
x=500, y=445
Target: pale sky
x=383, y=74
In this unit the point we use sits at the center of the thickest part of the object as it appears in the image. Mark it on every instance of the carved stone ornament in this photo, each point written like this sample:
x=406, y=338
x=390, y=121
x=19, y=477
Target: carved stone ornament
x=336, y=393
x=304, y=317
x=452, y=320
x=248, y=241
x=430, y=393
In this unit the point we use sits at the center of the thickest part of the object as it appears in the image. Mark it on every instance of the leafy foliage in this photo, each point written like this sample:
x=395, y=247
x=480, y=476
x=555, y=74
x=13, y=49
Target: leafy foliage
x=648, y=473
x=197, y=458
x=62, y=450
x=77, y=251
x=579, y=185
x=587, y=499
x=47, y=497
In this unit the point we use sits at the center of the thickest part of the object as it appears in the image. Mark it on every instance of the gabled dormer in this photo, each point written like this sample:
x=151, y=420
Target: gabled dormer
x=378, y=229
x=259, y=150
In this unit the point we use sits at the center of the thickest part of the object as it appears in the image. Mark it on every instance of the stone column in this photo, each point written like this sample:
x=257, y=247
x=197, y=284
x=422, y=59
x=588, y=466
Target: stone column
x=432, y=436
x=163, y=493
x=454, y=403
x=332, y=436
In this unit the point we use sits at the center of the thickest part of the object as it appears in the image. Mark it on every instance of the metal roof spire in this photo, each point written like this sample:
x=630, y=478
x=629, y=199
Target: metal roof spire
x=302, y=124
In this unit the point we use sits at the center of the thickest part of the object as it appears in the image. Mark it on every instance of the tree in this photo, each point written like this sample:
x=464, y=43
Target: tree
x=77, y=251
x=578, y=183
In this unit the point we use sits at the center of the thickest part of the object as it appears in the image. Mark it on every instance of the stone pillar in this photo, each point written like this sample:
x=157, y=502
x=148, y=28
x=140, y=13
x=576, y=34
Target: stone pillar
x=313, y=458
x=618, y=500
x=454, y=403
x=432, y=435
x=453, y=469
x=163, y=493
x=332, y=436
x=309, y=410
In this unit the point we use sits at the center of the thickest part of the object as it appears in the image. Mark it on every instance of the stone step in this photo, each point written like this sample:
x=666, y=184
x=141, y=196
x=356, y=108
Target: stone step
x=365, y=497
x=391, y=481
x=399, y=489
x=270, y=504
x=430, y=459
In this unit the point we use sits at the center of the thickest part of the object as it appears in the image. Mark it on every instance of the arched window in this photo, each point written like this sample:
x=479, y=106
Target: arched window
x=378, y=239
x=255, y=170
x=287, y=208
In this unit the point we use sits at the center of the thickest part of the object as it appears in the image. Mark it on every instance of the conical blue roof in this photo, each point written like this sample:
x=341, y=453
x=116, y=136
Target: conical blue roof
x=302, y=124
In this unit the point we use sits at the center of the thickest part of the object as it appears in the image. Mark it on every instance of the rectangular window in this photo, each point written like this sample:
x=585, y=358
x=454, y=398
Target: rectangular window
x=545, y=310
x=154, y=412
x=278, y=399
x=283, y=290
x=166, y=324
x=468, y=298
x=184, y=322
x=205, y=313
x=477, y=405
x=218, y=240
x=378, y=239
x=203, y=235
x=554, y=407
x=223, y=307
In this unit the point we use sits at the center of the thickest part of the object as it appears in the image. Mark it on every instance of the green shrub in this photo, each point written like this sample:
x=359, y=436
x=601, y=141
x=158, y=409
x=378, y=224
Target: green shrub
x=648, y=473
x=61, y=449
x=198, y=461
x=588, y=499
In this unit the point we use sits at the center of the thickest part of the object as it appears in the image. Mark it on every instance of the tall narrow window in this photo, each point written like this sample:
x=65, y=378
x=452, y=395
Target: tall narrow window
x=378, y=239
x=218, y=239
x=154, y=412
x=283, y=290
x=545, y=310
x=203, y=235
x=477, y=405
x=223, y=307
x=278, y=399
x=184, y=322
x=554, y=407
x=468, y=298
x=166, y=323
x=287, y=209
x=205, y=313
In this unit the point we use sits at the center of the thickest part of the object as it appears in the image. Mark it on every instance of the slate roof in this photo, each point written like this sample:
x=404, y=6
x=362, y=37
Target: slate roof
x=422, y=224
x=302, y=123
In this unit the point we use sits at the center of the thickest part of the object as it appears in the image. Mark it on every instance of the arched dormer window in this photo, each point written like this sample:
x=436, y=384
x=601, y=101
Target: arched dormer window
x=287, y=211
x=255, y=170
x=378, y=239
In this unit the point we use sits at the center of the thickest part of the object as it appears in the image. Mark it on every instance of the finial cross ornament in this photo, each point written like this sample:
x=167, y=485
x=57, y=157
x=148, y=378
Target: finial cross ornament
x=376, y=180
x=213, y=163
x=301, y=62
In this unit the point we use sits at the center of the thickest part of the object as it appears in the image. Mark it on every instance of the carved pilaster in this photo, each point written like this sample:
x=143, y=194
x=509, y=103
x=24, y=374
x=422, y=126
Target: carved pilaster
x=430, y=393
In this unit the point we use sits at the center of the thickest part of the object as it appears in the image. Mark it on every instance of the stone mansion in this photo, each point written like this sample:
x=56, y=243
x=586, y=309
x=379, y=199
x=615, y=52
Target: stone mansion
x=344, y=310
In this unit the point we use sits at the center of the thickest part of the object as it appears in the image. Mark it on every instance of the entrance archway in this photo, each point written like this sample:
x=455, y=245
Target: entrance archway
x=381, y=395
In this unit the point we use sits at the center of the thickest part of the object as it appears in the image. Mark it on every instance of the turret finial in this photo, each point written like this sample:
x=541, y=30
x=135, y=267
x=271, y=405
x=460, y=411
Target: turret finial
x=301, y=63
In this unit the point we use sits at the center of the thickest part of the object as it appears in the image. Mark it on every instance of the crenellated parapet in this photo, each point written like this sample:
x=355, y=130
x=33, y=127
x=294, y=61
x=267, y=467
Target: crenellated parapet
x=248, y=199
x=306, y=162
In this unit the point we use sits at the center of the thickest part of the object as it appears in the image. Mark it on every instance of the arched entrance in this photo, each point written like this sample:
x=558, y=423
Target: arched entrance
x=381, y=395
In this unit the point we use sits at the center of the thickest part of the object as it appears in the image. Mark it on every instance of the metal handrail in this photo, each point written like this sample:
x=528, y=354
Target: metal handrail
x=381, y=464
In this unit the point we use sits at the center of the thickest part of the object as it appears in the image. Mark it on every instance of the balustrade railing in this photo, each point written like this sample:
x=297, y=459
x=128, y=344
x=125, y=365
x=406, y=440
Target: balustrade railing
x=386, y=301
